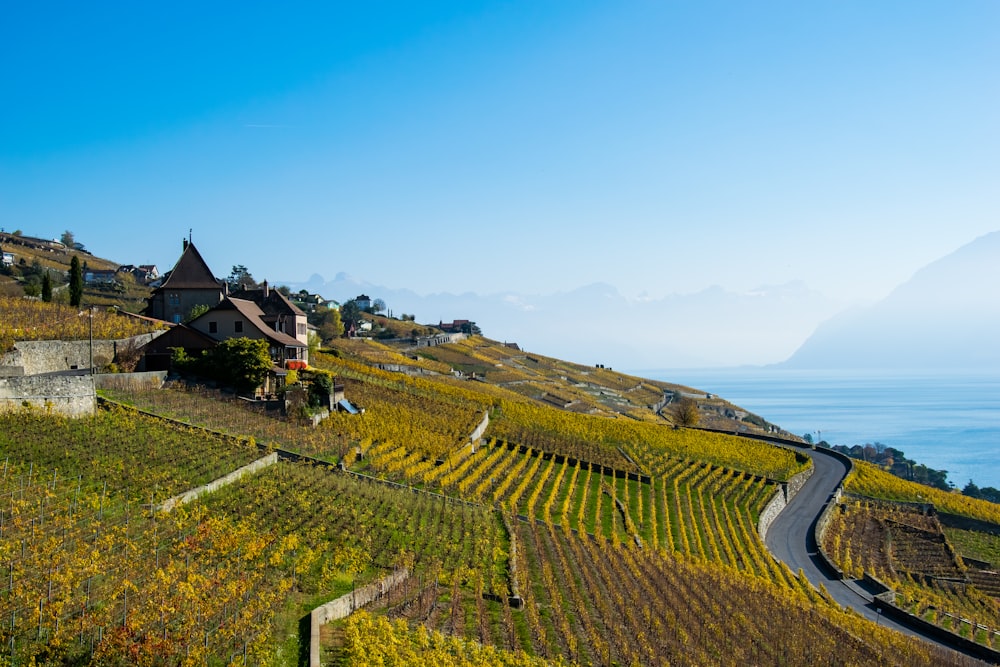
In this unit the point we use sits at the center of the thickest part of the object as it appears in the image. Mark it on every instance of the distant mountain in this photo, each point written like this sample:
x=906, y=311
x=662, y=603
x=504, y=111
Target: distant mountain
x=597, y=324
x=946, y=316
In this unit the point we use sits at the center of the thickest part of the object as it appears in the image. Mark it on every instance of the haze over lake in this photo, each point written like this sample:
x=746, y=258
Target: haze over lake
x=947, y=421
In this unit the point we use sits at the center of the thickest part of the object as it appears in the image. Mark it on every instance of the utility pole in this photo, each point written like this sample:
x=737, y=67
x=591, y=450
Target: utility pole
x=91, y=309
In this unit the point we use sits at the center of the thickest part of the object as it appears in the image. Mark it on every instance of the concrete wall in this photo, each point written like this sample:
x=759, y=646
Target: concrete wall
x=248, y=469
x=70, y=395
x=32, y=357
x=483, y=424
x=346, y=605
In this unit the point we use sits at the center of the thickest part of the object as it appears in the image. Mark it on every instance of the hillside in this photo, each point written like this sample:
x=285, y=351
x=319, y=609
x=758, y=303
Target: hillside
x=582, y=527
x=32, y=256
x=946, y=316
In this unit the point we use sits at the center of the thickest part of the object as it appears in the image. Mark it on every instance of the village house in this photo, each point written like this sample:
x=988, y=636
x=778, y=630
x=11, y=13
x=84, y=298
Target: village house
x=279, y=313
x=364, y=301
x=189, y=284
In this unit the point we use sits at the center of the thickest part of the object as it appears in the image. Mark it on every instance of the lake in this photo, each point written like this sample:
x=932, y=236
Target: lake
x=945, y=421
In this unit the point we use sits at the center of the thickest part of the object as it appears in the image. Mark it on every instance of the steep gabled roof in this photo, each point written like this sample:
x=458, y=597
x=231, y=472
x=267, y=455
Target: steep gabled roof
x=190, y=272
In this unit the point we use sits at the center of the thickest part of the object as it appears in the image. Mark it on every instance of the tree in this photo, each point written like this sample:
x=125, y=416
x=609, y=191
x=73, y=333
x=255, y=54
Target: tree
x=46, y=287
x=75, y=282
x=378, y=305
x=350, y=314
x=242, y=363
x=197, y=311
x=686, y=412
x=240, y=278
x=68, y=239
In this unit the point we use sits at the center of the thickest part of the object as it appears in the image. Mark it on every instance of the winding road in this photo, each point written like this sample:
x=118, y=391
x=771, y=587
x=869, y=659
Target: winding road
x=791, y=539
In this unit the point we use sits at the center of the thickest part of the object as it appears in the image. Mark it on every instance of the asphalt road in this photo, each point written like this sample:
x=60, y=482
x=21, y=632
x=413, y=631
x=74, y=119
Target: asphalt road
x=791, y=539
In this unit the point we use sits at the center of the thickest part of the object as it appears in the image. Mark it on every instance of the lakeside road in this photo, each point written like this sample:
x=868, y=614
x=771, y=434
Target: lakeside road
x=791, y=539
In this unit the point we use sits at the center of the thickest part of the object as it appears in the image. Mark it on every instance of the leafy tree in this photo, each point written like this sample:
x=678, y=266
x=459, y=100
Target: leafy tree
x=350, y=314
x=285, y=290
x=808, y=438
x=242, y=363
x=971, y=490
x=197, y=311
x=75, y=282
x=378, y=305
x=68, y=239
x=47, y=287
x=327, y=320
x=686, y=412
x=320, y=389
x=240, y=278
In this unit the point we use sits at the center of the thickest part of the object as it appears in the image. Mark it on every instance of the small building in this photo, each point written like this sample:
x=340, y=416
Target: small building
x=8, y=259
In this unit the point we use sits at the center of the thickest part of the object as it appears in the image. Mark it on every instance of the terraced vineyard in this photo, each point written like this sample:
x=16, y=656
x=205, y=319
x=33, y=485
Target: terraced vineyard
x=908, y=550
x=595, y=539
x=142, y=458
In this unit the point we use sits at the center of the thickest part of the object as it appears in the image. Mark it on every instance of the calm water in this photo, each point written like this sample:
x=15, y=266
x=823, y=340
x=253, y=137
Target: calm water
x=947, y=422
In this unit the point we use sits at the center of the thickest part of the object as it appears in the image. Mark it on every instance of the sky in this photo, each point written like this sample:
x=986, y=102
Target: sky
x=662, y=147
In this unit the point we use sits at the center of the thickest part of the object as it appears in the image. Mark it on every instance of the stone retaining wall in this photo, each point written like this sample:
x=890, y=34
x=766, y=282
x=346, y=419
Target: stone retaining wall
x=69, y=395
x=781, y=499
x=32, y=357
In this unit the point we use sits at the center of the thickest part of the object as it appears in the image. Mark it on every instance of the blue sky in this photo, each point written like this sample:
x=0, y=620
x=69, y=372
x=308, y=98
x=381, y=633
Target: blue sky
x=661, y=147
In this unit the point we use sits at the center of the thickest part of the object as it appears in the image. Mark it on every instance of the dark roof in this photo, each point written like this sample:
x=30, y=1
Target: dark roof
x=275, y=303
x=190, y=272
x=254, y=315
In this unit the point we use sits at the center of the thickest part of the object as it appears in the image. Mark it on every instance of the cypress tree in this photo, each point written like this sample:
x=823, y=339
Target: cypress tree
x=75, y=282
x=46, y=287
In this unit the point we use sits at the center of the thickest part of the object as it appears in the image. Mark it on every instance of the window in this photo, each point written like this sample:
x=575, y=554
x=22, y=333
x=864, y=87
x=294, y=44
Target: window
x=238, y=326
x=302, y=329
x=213, y=327
x=175, y=298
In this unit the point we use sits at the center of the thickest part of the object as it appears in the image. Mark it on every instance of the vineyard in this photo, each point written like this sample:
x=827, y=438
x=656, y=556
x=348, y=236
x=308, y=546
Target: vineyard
x=25, y=319
x=870, y=480
x=908, y=550
x=557, y=538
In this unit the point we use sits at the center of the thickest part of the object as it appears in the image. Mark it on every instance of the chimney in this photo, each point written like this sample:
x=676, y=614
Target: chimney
x=185, y=244
x=267, y=292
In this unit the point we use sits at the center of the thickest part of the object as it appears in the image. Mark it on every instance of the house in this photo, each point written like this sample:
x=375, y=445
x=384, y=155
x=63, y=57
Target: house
x=239, y=318
x=279, y=313
x=189, y=284
x=364, y=301
x=8, y=259
x=459, y=326
x=309, y=302
x=99, y=276
x=144, y=274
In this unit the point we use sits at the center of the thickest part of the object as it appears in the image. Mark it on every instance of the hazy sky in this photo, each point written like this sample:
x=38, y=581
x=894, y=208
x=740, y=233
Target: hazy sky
x=661, y=147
